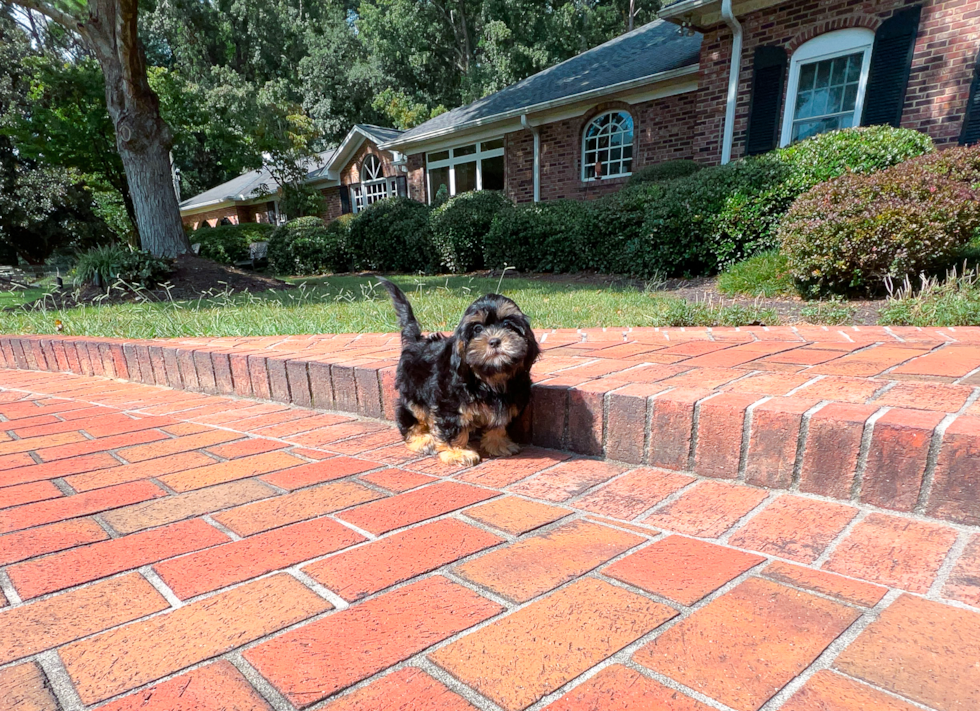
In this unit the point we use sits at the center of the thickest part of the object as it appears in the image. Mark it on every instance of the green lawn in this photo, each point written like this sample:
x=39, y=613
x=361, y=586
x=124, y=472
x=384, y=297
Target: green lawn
x=349, y=304
x=20, y=296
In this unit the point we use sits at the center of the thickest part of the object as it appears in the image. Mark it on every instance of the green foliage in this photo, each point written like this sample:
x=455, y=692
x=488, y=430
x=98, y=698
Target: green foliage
x=542, y=237
x=661, y=172
x=301, y=200
x=393, y=235
x=953, y=300
x=114, y=262
x=833, y=312
x=307, y=246
x=852, y=233
x=228, y=244
x=401, y=111
x=460, y=225
x=749, y=219
x=764, y=274
x=684, y=230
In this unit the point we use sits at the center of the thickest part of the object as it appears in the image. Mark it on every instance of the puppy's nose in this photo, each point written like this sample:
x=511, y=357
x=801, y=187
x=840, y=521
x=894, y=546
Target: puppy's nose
x=494, y=342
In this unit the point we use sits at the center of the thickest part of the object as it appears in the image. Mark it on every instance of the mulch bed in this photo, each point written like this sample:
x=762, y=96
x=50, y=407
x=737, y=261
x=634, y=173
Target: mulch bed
x=193, y=277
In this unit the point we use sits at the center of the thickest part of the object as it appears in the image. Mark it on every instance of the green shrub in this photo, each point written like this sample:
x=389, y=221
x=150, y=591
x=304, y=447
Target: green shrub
x=661, y=172
x=682, y=233
x=748, y=220
x=764, y=274
x=613, y=228
x=228, y=244
x=116, y=262
x=460, y=225
x=393, y=235
x=542, y=237
x=307, y=246
x=851, y=233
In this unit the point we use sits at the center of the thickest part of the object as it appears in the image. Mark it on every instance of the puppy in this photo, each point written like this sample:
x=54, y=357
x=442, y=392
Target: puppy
x=478, y=379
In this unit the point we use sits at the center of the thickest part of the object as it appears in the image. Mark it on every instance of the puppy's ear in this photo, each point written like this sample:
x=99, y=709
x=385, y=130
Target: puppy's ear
x=533, y=350
x=457, y=361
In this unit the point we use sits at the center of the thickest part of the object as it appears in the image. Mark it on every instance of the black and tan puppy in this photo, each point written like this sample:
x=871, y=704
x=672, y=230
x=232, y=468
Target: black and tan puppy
x=476, y=380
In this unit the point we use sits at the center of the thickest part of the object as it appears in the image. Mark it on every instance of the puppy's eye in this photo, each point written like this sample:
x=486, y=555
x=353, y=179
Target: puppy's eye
x=513, y=326
x=477, y=330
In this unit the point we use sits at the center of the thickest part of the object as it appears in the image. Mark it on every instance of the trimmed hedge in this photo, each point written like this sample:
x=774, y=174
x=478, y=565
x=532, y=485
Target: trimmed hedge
x=960, y=164
x=662, y=172
x=460, y=226
x=228, y=244
x=307, y=246
x=849, y=234
x=393, y=235
x=748, y=221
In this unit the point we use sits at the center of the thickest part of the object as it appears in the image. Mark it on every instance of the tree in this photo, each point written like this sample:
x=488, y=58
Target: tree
x=109, y=29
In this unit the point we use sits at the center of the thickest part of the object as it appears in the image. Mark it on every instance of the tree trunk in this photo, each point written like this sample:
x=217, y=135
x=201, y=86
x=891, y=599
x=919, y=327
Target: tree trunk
x=142, y=137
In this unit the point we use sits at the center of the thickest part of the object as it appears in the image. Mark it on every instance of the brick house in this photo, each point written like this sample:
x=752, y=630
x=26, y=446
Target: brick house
x=351, y=176
x=671, y=89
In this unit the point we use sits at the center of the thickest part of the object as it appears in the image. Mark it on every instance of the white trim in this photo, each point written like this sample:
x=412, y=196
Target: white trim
x=544, y=105
x=453, y=160
x=827, y=46
x=734, y=72
x=632, y=132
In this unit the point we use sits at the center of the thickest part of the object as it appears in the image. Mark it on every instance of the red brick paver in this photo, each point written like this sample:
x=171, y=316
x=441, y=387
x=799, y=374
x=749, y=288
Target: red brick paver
x=283, y=558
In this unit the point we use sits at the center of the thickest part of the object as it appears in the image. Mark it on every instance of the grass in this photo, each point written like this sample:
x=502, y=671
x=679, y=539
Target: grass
x=765, y=274
x=953, y=301
x=17, y=297
x=349, y=304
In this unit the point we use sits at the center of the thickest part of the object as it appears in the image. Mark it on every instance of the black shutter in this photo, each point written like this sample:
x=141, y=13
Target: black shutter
x=971, y=119
x=344, y=199
x=768, y=75
x=891, y=62
x=402, y=184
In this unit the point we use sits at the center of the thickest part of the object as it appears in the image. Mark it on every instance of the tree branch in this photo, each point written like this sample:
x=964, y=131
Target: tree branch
x=64, y=19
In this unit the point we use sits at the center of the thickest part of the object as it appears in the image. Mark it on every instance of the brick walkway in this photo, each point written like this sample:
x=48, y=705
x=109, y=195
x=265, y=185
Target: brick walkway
x=163, y=549
x=888, y=417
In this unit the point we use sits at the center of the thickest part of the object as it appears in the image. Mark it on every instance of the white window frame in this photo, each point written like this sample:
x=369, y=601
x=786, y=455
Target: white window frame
x=453, y=160
x=591, y=178
x=378, y=187
x=822, y=47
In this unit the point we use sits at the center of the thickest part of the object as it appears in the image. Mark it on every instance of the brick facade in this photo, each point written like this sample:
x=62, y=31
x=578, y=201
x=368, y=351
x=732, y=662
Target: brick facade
x=662, y=130
x=690, y=125
x=939, y=83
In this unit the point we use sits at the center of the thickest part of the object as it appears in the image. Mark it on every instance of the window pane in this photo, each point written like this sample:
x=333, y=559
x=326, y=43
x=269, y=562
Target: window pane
x=465, y=177
x=491, y=145
x=464, y=150
x=441, y=155
x=437, y=177
x=493, y=173
x=608, y=146
x=826, y=95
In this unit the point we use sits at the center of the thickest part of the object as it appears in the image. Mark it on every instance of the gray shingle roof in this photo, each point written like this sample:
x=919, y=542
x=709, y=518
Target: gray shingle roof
x=250, y=185
x=651, y=49
x=380, y=134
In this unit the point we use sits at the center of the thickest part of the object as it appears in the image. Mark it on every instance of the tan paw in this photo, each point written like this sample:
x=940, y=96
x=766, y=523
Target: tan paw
x=421, y=443
x=499, y=445
x=460, y=457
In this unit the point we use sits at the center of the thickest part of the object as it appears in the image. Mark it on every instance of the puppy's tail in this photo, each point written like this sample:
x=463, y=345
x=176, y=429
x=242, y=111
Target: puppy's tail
x=406, y=318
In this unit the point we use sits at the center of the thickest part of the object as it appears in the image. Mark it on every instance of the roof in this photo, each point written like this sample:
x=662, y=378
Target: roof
x=652, y=49
x=249, y=186
x=379, y=134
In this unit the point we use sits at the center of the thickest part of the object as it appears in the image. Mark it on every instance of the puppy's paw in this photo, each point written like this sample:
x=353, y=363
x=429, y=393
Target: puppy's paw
x=460, y=457
x=421, y=443
x=496, y=443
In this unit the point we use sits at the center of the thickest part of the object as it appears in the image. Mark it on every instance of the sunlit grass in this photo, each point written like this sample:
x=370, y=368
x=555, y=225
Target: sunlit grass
x=352, y=304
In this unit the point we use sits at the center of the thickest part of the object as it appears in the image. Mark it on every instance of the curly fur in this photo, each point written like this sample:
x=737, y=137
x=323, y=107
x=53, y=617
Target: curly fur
x=476, y=380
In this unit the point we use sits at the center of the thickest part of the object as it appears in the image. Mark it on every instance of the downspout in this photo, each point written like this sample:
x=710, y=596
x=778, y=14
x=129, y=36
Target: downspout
x=535, y=131
x=733, y=76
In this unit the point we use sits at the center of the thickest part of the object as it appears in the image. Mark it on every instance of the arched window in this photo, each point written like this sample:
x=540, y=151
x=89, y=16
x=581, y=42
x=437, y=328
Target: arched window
x=607, y=146
x=827, y=80
x=373, y=186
